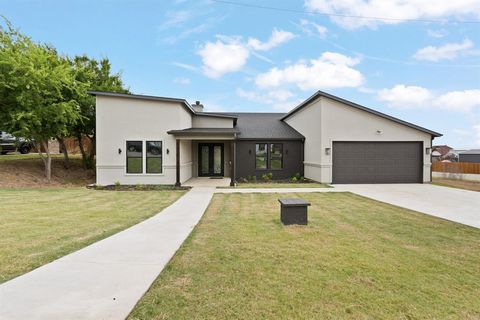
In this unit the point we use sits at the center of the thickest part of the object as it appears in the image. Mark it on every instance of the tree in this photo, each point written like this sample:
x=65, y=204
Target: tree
x=98, y=76
x=36, y=90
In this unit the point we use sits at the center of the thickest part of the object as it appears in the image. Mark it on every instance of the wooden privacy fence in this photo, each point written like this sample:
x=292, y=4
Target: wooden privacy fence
x=72, y=145
x=456, y=167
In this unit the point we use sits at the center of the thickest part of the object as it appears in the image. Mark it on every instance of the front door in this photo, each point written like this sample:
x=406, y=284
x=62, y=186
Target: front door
x=210, y=159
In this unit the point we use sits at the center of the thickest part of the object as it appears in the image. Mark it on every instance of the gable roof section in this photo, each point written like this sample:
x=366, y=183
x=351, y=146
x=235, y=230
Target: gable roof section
x=264, y=126
x=319, y=94
x=156, y=98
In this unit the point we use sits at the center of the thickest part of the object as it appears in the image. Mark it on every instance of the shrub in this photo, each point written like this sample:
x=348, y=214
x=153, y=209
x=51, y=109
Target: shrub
x=294, y=179
x=267, y=176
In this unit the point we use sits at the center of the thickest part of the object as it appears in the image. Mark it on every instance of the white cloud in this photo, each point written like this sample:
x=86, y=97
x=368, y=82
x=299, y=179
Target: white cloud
x=393, y=9
x=437, y=33
x=175, y=19
x=330, y=70
x=402, y=96
x=445, y=52
x=476, y=130
x=464, y=101
x=182, y=80
x=312, y=28
x=184, y=66
x=230, y=53
x=277, y=38
x=225, y=55
x=269, y=97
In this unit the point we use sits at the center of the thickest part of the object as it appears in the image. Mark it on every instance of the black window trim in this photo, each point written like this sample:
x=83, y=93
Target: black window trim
x=126, y=157
x=146, y=157
x=268, y=167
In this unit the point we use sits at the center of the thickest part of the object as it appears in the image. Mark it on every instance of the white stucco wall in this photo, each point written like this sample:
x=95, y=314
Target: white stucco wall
x=211, y=122
x=325, y=121
x=122, y=119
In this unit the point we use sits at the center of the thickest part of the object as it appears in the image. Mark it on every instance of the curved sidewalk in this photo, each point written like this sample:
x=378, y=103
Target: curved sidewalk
x=106, y=279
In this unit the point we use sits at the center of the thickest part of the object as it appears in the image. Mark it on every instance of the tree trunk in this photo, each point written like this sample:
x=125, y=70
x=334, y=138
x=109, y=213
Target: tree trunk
x=82, y=150
x=91, y=154
x=47, y=161
x=63, y=149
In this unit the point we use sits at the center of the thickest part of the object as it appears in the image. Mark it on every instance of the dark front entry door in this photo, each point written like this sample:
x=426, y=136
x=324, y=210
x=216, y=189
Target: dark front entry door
x=210, y=159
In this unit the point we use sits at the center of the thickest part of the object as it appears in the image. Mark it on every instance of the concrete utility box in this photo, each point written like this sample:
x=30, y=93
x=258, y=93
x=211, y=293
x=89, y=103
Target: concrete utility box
x=293, y=211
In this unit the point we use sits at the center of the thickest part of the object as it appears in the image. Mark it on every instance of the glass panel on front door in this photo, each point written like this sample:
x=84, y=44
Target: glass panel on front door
x=210, y=158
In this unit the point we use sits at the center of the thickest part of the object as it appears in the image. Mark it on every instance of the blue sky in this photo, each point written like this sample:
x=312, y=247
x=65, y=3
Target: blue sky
x=238, y=58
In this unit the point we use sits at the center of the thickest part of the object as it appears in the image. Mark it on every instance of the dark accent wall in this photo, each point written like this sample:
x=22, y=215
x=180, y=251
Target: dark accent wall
x=469, y=157
x=292, y=159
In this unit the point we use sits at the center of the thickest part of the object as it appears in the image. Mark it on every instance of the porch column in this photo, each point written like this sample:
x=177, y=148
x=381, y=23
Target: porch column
x=177, y=167
x=233, y=155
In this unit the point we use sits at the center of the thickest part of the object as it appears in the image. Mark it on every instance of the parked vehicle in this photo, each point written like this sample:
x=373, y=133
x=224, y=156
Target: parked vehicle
x=10, y=143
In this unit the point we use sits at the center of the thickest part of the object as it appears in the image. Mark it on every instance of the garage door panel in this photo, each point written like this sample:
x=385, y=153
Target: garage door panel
x=377, y=162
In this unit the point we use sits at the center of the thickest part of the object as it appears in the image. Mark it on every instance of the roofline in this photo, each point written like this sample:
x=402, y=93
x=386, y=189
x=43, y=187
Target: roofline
x=355, y=105
x=213, y=114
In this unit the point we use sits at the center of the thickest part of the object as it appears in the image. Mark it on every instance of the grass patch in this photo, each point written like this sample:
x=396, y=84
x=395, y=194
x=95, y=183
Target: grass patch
x=19, y=156
x=257, y=185
x=357, y=258
x=459, y=184
x=40, y=225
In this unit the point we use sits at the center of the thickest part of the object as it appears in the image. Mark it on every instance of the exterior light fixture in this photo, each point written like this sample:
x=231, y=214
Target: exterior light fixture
x=168, y=151
x=119, y=151
x=379, y=131
x=327, y=151
x=250, y=151
x=428, y=150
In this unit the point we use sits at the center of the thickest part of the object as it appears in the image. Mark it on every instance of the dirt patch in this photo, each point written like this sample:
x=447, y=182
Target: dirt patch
x=29, y=173
x=461, y=184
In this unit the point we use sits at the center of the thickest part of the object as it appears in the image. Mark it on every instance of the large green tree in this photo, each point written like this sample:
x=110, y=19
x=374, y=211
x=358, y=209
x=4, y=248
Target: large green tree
x=98, y=76
x=37, y=87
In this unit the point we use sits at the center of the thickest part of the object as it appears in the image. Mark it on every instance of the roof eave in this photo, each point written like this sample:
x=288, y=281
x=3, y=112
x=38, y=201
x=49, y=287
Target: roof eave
x=358, y=106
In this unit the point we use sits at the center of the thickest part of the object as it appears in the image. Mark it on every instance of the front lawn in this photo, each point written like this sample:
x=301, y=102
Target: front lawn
x=40, y=225
x=357, y=258
x=459, y=184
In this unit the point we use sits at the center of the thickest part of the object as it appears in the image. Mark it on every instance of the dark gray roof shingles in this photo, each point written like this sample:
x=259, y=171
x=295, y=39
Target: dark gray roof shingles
x=264, y=126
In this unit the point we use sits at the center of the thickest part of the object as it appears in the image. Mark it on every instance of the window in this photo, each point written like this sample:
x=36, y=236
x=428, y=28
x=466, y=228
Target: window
x=269, y=156
x=261, y=156
x=276, y=156
x=134, y=157
x=154, y=156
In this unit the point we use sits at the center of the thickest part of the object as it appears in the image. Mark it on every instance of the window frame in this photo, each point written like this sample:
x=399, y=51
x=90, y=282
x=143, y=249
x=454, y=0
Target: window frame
x=126, y=157
x=144, y=157
x=268, y=156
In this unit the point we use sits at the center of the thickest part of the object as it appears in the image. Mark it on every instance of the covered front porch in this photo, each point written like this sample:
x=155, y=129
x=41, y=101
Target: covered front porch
x=205, y=156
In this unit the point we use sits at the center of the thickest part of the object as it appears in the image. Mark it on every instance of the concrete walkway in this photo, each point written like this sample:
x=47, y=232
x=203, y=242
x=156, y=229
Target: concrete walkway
x=106, y=279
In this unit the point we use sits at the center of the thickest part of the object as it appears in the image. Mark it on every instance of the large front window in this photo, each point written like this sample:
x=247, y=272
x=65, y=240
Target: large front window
x=269, y=156
x=154, y=156
x=261, y=152
x=134, y=157
x=151, y=159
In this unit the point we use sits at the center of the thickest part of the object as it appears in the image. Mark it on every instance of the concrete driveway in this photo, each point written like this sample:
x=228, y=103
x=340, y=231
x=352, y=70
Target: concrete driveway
x=457, y=205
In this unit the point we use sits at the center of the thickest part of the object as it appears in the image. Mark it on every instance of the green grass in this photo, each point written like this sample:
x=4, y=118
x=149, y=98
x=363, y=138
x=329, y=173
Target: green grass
x=357, y=259
x=256, y=185
x=18, y=156
x=40, y=225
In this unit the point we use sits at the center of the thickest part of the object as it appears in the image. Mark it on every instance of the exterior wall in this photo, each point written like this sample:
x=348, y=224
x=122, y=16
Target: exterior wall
x=292, y=159
x=211, y=122
x=325, y=121
x=120, y=119
x=469, y=157
x=457, y=176
x=226, y=158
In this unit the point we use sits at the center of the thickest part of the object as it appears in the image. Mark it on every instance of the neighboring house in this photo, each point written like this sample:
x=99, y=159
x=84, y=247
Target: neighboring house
x=436, y=156
x=158, y=140
x=470, y=156
x=446, y=153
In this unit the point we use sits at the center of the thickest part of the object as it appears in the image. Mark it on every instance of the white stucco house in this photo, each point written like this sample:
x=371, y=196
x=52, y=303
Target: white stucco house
x=158, y=140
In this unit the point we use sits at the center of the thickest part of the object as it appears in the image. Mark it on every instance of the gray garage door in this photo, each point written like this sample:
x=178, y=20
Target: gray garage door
x=377, y=162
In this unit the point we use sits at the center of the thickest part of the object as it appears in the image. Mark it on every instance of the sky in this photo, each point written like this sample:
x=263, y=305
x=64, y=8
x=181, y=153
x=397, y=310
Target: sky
x=418, y=60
